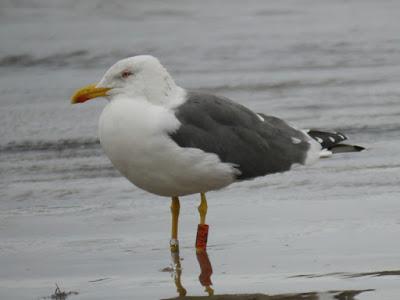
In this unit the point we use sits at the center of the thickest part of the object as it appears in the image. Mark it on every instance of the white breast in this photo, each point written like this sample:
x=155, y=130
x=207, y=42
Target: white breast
x=134, y=135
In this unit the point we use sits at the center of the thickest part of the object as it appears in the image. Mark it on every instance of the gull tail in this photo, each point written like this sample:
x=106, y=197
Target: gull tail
x=331, y=142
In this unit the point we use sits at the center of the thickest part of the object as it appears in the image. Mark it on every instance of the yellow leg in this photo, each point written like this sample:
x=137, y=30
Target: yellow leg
x=203, y=208
x=175, y=207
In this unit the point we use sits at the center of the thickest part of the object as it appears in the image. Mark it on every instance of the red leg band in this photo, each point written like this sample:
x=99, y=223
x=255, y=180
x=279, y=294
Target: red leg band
x=202, y=235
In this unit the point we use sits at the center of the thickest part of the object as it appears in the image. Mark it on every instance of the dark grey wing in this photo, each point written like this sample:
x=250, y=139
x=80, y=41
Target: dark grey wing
x=237, y=135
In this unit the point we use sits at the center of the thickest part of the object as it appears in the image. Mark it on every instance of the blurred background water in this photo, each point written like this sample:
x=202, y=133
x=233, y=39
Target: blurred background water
x=67, y=215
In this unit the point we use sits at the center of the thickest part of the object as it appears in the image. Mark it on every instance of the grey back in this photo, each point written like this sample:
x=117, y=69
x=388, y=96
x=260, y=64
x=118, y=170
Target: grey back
x=238, y=136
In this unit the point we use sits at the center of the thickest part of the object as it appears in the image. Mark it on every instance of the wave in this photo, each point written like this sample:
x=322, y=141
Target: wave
x=28, y=60
x=371, y=130
x=290, y=84
x=79, y=58
x=57, y=145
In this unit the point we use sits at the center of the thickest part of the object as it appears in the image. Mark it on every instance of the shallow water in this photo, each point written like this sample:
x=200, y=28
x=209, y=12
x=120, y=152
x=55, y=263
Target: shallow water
x=66, y=215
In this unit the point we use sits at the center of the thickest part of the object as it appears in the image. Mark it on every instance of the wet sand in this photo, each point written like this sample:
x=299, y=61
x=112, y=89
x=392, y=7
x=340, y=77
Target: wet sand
x=67, y=217
x=341, y=295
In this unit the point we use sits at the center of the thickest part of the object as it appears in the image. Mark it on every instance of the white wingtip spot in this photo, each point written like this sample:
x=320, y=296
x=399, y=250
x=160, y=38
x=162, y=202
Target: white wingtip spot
x=261, y=118
x=296, y=140
x=319, y=140
x=332, y=139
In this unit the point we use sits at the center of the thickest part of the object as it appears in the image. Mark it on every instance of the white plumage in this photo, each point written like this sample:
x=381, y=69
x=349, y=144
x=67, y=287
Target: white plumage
x=133, y=134
x=133, y=131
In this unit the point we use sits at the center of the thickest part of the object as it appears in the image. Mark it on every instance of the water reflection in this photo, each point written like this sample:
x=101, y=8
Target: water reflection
x=204, y=277
x=205, y=271
x=177, y=273
x=205, y=280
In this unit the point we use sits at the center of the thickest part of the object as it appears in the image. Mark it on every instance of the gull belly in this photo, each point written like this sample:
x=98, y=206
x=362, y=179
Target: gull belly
x=134, y=135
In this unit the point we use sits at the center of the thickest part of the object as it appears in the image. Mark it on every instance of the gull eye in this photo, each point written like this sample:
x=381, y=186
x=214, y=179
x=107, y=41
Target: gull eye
x=125, y=74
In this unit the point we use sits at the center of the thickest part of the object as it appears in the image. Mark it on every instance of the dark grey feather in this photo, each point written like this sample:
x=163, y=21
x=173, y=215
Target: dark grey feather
x=238, y=136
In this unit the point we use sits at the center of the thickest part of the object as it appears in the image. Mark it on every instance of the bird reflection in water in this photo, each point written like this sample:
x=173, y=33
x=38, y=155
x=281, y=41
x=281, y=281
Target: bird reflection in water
x=205, y=272
x=177, y=273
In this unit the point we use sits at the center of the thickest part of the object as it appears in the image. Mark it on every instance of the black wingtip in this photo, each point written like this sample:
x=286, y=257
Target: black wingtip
x=342, y=148
x=327, y=139
x=359, y=148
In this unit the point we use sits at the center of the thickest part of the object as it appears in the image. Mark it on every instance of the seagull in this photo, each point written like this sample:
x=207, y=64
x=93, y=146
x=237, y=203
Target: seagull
x=173, y=142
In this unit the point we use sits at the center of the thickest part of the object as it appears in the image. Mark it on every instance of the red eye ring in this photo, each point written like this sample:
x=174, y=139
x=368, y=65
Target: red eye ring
x=126, y=74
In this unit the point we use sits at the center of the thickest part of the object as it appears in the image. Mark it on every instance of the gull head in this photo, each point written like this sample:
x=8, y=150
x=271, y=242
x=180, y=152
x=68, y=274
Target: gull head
x=141, y=78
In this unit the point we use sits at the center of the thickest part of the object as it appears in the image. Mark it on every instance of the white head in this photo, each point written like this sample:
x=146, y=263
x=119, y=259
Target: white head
x=141, y=78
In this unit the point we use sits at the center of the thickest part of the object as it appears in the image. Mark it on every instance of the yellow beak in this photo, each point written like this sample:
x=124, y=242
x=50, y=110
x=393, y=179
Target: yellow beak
x=88, y=92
